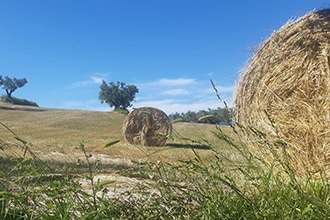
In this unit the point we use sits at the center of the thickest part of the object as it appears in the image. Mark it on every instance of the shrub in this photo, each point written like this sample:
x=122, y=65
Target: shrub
x=18, y=101
x=123, y=111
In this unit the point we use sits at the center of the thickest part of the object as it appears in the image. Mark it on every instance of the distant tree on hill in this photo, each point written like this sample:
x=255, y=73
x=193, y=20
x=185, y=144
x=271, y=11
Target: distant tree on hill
x=118, y=95
x=211, y=116
x=11, y=84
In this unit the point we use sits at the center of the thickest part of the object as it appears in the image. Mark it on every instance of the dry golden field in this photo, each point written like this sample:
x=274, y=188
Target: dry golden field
x=56, y=133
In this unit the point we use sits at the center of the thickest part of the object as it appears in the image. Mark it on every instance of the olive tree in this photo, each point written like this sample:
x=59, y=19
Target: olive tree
x=118, y=95
x=11, y=84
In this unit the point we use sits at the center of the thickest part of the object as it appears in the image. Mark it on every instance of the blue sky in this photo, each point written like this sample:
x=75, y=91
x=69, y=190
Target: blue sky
x=169, y=49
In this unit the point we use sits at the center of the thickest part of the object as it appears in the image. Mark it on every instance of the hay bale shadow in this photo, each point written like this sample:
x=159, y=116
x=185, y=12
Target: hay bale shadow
x=190, y=146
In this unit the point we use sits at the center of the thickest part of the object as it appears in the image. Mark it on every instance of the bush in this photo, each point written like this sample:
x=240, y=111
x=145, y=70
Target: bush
x=18, y=101
x=123, y=111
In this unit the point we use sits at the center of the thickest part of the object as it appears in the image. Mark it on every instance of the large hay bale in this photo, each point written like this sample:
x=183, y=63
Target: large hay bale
x=147, y=126
x=288, y=81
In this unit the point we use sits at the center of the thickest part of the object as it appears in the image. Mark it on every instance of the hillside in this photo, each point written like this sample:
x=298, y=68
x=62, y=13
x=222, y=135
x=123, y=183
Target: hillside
x=61, y=131
x=46, y=127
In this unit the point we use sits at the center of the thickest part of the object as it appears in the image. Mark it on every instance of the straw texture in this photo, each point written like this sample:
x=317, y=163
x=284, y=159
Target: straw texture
x=288, y=81
x=147, y=126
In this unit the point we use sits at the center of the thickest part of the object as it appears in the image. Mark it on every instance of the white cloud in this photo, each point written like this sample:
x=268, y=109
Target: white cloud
x=95, y=79
x=226, y=88
x=175, y=92
x=174, y=82
x=170, y=106
x=78, y=104
x=221, y=89
x=184, y=95
x=169, y=95
x=92, y=104
x=81, y=83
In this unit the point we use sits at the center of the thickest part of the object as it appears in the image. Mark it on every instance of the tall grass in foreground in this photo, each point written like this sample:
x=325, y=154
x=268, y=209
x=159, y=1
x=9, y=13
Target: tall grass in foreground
x=237, y=185
x=234, y=185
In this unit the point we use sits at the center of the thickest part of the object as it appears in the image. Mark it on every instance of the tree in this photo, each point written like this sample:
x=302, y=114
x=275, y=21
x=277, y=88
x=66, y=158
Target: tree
x=211, y=116
x=118, y=95
x=11, y=84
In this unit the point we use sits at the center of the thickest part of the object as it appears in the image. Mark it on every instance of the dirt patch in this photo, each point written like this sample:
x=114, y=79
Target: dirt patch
x=120, y=184
x=104, y=169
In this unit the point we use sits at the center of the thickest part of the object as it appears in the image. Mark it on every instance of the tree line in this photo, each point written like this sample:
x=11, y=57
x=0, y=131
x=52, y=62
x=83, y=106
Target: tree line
x=210, y=116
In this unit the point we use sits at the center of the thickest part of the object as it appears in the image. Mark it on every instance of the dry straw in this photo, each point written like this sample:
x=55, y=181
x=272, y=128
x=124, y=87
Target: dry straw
x=147, y=126
x=288, y=81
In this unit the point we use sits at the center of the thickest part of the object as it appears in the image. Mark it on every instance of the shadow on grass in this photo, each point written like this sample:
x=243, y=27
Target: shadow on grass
x=194, y=146
x=65, y=168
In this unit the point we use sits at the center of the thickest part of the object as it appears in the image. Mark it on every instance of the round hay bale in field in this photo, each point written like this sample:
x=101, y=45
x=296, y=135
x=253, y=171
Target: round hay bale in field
x=285, y=90
x=147, y=126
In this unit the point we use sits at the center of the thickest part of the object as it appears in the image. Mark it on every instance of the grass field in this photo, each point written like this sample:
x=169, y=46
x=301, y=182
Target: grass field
x=204, y=172
x=58, y=130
